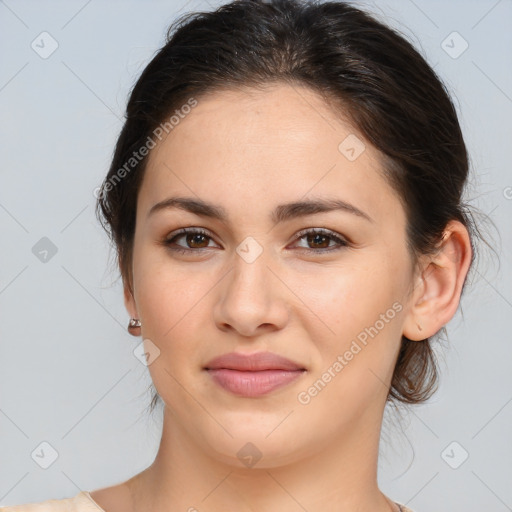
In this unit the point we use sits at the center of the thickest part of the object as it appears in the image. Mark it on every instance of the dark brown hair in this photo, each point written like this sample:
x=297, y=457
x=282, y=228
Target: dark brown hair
x=369, y=73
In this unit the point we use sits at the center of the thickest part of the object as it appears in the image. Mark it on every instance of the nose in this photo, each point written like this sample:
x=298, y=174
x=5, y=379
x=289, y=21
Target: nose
x=251, y=299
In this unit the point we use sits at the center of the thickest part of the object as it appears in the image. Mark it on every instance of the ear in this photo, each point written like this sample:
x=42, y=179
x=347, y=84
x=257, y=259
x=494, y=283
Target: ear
x=437, y=292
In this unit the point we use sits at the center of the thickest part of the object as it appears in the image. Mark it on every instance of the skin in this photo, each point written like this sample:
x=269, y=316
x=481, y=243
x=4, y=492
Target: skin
x=249, y=151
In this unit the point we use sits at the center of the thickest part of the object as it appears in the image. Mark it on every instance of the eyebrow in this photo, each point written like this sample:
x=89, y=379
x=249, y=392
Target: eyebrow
x=282, y=213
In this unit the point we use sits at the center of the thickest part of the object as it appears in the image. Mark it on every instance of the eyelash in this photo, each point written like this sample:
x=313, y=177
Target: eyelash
x=301, y=234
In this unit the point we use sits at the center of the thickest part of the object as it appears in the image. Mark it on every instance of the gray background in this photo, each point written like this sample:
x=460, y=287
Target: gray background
x=68, y=376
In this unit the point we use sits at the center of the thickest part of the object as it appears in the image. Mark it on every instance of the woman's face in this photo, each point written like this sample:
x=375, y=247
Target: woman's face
x=253, y=283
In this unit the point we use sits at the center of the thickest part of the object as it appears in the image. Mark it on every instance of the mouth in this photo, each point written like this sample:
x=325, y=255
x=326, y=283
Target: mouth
x=253, y=383
x=253, y=375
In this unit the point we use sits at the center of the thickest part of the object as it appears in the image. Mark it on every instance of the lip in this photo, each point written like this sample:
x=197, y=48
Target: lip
x=253, y=375
x=252, y=362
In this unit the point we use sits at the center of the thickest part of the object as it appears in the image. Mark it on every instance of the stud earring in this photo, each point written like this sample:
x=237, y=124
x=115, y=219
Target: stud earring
x=134, y=326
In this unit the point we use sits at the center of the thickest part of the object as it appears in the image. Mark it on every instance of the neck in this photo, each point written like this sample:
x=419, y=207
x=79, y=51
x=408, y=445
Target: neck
x=340, y=476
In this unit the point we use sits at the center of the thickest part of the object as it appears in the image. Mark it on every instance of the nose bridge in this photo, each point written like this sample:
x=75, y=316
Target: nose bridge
x=249, y=296
x=250, y=273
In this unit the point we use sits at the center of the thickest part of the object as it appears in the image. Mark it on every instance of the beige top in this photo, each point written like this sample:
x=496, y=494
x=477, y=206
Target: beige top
x=82, y=502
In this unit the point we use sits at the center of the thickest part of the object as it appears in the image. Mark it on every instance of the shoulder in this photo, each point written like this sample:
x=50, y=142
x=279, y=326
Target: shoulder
x=82, y=502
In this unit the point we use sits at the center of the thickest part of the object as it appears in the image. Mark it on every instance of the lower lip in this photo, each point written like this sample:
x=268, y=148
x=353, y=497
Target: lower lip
x=255, y=383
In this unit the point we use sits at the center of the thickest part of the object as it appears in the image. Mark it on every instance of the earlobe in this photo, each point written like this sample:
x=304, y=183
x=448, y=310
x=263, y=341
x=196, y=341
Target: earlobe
x=437, y=294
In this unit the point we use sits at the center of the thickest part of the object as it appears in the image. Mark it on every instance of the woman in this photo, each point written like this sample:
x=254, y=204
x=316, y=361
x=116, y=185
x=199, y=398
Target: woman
x=285, y=201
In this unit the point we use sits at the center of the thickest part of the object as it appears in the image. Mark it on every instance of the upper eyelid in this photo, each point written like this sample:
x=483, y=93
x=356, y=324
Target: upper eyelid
x=324, y=231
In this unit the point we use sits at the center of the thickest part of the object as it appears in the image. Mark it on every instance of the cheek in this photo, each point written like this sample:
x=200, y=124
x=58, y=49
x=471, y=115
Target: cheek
x=168, y=294
x=167, y=303
x=171, y=303
x=356, y=308
x=346, y=298
x=363, y=311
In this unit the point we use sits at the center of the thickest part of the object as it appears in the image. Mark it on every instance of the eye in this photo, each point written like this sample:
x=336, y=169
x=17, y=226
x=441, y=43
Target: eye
x=196, y=238
x=320, y=237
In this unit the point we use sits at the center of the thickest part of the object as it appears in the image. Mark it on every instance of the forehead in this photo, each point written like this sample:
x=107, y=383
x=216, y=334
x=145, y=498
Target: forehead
x=247, y=147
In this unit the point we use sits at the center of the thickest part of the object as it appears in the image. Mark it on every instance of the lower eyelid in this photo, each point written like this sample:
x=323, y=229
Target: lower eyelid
x=338, y=244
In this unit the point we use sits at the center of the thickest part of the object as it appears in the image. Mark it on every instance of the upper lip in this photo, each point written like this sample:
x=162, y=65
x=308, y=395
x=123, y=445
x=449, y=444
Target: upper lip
x=252, y=362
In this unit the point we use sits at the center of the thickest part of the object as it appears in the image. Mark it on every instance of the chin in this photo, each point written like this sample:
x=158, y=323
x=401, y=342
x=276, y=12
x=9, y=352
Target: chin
x=254, y=446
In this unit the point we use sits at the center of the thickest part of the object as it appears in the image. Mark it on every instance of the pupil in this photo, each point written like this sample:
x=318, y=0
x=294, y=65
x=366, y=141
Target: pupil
x=316, y=237
x=195, y=237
